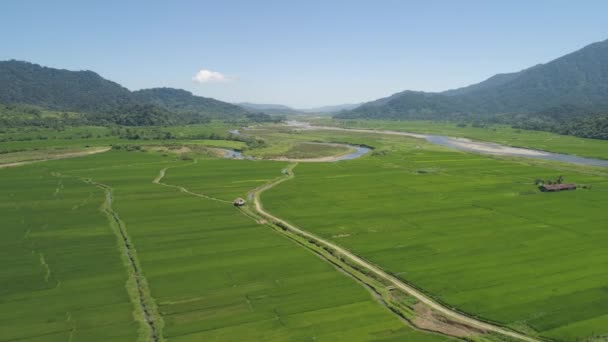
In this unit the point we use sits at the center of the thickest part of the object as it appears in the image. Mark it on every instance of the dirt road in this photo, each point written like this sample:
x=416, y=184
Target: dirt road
x=59, y=156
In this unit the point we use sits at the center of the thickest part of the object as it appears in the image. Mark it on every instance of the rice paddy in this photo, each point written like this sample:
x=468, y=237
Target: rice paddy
x=470, y=231
x=212, y=273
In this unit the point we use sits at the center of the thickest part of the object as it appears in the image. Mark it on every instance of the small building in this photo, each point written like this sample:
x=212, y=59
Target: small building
x=557, y=187
x=239, y=202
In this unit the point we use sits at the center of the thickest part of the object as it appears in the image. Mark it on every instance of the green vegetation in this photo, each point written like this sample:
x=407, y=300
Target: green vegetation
x=213, y=134
x=212, y=272
x=310, y=150
x=62, y=275
x=191, y=107
x=296, y=150
x=470, y=230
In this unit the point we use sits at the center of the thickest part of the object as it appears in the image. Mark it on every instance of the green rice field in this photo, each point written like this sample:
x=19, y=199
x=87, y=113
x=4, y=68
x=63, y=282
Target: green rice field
x=143, y=242
x=213, y=274
x=470, y=230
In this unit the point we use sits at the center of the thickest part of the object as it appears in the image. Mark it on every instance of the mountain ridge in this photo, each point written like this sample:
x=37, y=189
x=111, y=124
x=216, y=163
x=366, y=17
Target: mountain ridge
x=104, y=101
x=579, y=78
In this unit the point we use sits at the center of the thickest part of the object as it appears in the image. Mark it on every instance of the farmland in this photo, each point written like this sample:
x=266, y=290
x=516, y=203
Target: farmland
x=470, y=230
x=208, y=171
x=211, y=273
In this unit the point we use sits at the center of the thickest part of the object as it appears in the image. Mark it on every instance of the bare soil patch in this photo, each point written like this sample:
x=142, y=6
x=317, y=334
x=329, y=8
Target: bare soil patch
x=428, y=319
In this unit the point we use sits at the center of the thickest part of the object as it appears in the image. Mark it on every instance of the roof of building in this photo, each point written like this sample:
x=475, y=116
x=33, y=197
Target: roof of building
x=559, y=186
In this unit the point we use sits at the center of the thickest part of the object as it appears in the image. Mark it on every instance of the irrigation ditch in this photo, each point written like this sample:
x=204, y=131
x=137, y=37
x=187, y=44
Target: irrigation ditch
x=137, y=286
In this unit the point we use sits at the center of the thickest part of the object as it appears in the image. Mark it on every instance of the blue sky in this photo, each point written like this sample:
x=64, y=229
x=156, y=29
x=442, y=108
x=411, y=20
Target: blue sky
x=300, y=53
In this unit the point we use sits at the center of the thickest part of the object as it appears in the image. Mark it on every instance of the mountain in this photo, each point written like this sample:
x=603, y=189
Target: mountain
x=283, y=110
x=331, y=109
x=101, y=101
x=58, y=89
x=189, y=106
x=578, y=79
x=269, y=108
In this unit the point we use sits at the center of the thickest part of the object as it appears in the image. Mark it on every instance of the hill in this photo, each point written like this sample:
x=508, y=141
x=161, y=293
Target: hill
x=578, y=79
x=30, y=88
x=190, y=108
x=269, y=108
x=58, y=89
x=286, y=110
x=331, y=109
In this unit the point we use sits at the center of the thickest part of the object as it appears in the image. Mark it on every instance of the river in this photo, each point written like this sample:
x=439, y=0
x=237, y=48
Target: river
x=468, y=145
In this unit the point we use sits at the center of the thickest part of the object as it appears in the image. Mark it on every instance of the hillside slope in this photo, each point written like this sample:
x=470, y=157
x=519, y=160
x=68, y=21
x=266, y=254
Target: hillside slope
x=99, y=100
x=578, y=79
x=189, y=106
x=58, y=89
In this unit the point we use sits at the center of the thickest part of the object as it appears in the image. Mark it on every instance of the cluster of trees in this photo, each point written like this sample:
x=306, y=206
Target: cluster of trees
x=540, y=182
x=19, y=115
x=580, y=122
x=134, y=115
x=263, y=117
x=132, y=133
x=158, y=133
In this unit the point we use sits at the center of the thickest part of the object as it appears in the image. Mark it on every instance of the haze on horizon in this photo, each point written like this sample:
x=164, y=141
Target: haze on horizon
x=305, y=54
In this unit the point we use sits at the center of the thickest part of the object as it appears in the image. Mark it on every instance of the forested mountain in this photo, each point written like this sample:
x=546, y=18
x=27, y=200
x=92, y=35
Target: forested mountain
x=189, y=106
x=57, y=89
x=98, y=100
x=578, y=79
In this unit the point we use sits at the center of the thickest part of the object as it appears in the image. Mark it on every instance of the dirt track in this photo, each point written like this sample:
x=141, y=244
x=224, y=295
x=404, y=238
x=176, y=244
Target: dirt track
x=161, y=175
x=59, y=156
x=431, y=303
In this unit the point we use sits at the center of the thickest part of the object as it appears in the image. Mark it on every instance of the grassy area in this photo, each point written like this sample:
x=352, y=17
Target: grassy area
x=500, y=134
x=230, y=144
x=309, y=150
x=214, y=134
x=299, y=150
x=470, y=230
x=213, y=273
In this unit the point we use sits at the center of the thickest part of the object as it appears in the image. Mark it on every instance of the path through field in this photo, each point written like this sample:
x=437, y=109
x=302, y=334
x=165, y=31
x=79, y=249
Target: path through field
x=59, y=156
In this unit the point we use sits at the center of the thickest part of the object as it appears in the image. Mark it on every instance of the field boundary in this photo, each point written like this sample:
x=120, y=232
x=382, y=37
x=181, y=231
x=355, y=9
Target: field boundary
x=162, y=173
x=137, y=285
x=331, y=252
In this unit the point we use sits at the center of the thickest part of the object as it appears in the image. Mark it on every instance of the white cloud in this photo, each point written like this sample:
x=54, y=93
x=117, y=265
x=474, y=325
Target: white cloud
x=206, y=76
